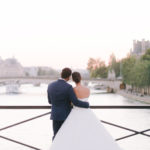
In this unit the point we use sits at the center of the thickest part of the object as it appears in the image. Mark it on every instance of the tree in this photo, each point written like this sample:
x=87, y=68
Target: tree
x=141, y=73
x=112, y=60
x=97, y=68
x=95, y=63
x=146, y=56
x=136, y=72
x=127, y=69
x=114, y=65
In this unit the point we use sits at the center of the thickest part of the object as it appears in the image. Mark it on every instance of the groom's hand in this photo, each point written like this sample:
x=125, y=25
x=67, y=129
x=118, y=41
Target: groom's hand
x=71, y=104
x=88, y=105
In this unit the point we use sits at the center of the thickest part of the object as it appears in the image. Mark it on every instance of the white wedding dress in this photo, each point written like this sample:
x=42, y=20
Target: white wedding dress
x=82, y=130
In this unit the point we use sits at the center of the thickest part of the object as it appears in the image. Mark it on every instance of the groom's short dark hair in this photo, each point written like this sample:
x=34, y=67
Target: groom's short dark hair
x=66, y=73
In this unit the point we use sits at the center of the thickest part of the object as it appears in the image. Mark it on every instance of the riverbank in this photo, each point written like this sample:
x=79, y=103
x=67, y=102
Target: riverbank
x=135, y=96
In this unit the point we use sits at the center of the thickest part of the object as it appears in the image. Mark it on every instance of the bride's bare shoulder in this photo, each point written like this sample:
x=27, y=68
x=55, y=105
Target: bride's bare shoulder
x=82, y=91
x=86, y=89
x=75, y=88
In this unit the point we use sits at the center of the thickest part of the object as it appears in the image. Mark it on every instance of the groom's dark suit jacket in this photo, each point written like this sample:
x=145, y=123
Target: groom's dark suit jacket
x=60, y=95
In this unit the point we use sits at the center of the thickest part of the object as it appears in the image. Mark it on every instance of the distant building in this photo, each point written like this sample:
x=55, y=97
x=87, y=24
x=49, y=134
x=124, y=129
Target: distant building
x=84, y=73
x=140, y=47
x=11, y=68
x=47, y=71
x=111, y=75
x=31, y=71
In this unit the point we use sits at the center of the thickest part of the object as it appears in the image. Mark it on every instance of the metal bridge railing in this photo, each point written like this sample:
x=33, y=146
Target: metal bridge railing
x=134, y=132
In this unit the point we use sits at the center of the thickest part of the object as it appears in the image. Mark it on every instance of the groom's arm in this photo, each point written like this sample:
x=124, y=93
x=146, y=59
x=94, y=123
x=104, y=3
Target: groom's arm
x=75, y=101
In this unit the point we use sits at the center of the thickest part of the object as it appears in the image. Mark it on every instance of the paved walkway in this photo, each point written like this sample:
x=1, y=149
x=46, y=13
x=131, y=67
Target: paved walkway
x=136, y=96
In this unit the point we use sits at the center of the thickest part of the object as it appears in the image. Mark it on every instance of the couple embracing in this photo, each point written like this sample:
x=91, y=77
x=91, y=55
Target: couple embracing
x=75, y=126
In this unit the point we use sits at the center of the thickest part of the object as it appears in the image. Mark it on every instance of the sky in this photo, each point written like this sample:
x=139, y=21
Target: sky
x=60, y=33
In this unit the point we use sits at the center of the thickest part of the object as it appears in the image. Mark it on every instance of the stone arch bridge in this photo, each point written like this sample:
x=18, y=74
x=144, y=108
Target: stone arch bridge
x=98, y=83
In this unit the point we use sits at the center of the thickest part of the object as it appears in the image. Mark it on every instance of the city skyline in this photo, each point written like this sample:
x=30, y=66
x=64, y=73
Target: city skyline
x=59, y=34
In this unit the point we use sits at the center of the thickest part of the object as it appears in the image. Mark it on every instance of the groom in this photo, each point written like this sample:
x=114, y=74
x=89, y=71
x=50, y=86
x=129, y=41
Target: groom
x=60, y=96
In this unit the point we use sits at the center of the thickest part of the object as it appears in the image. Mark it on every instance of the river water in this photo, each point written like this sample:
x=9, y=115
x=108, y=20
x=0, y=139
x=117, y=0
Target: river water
x=38, y=133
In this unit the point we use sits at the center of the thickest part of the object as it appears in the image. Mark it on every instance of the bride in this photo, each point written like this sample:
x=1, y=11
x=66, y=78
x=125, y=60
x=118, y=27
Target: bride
x=82, y=130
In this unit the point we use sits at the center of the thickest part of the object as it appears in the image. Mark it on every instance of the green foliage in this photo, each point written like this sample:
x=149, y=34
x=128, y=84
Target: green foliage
x=100, y=72
x=146, y=56
x=97, y=68
x=127, y=69
x=141, y=73
x=136, y=72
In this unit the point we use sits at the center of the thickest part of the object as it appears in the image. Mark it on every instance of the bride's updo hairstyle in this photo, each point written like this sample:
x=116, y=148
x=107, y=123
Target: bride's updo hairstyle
x=76, y=77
